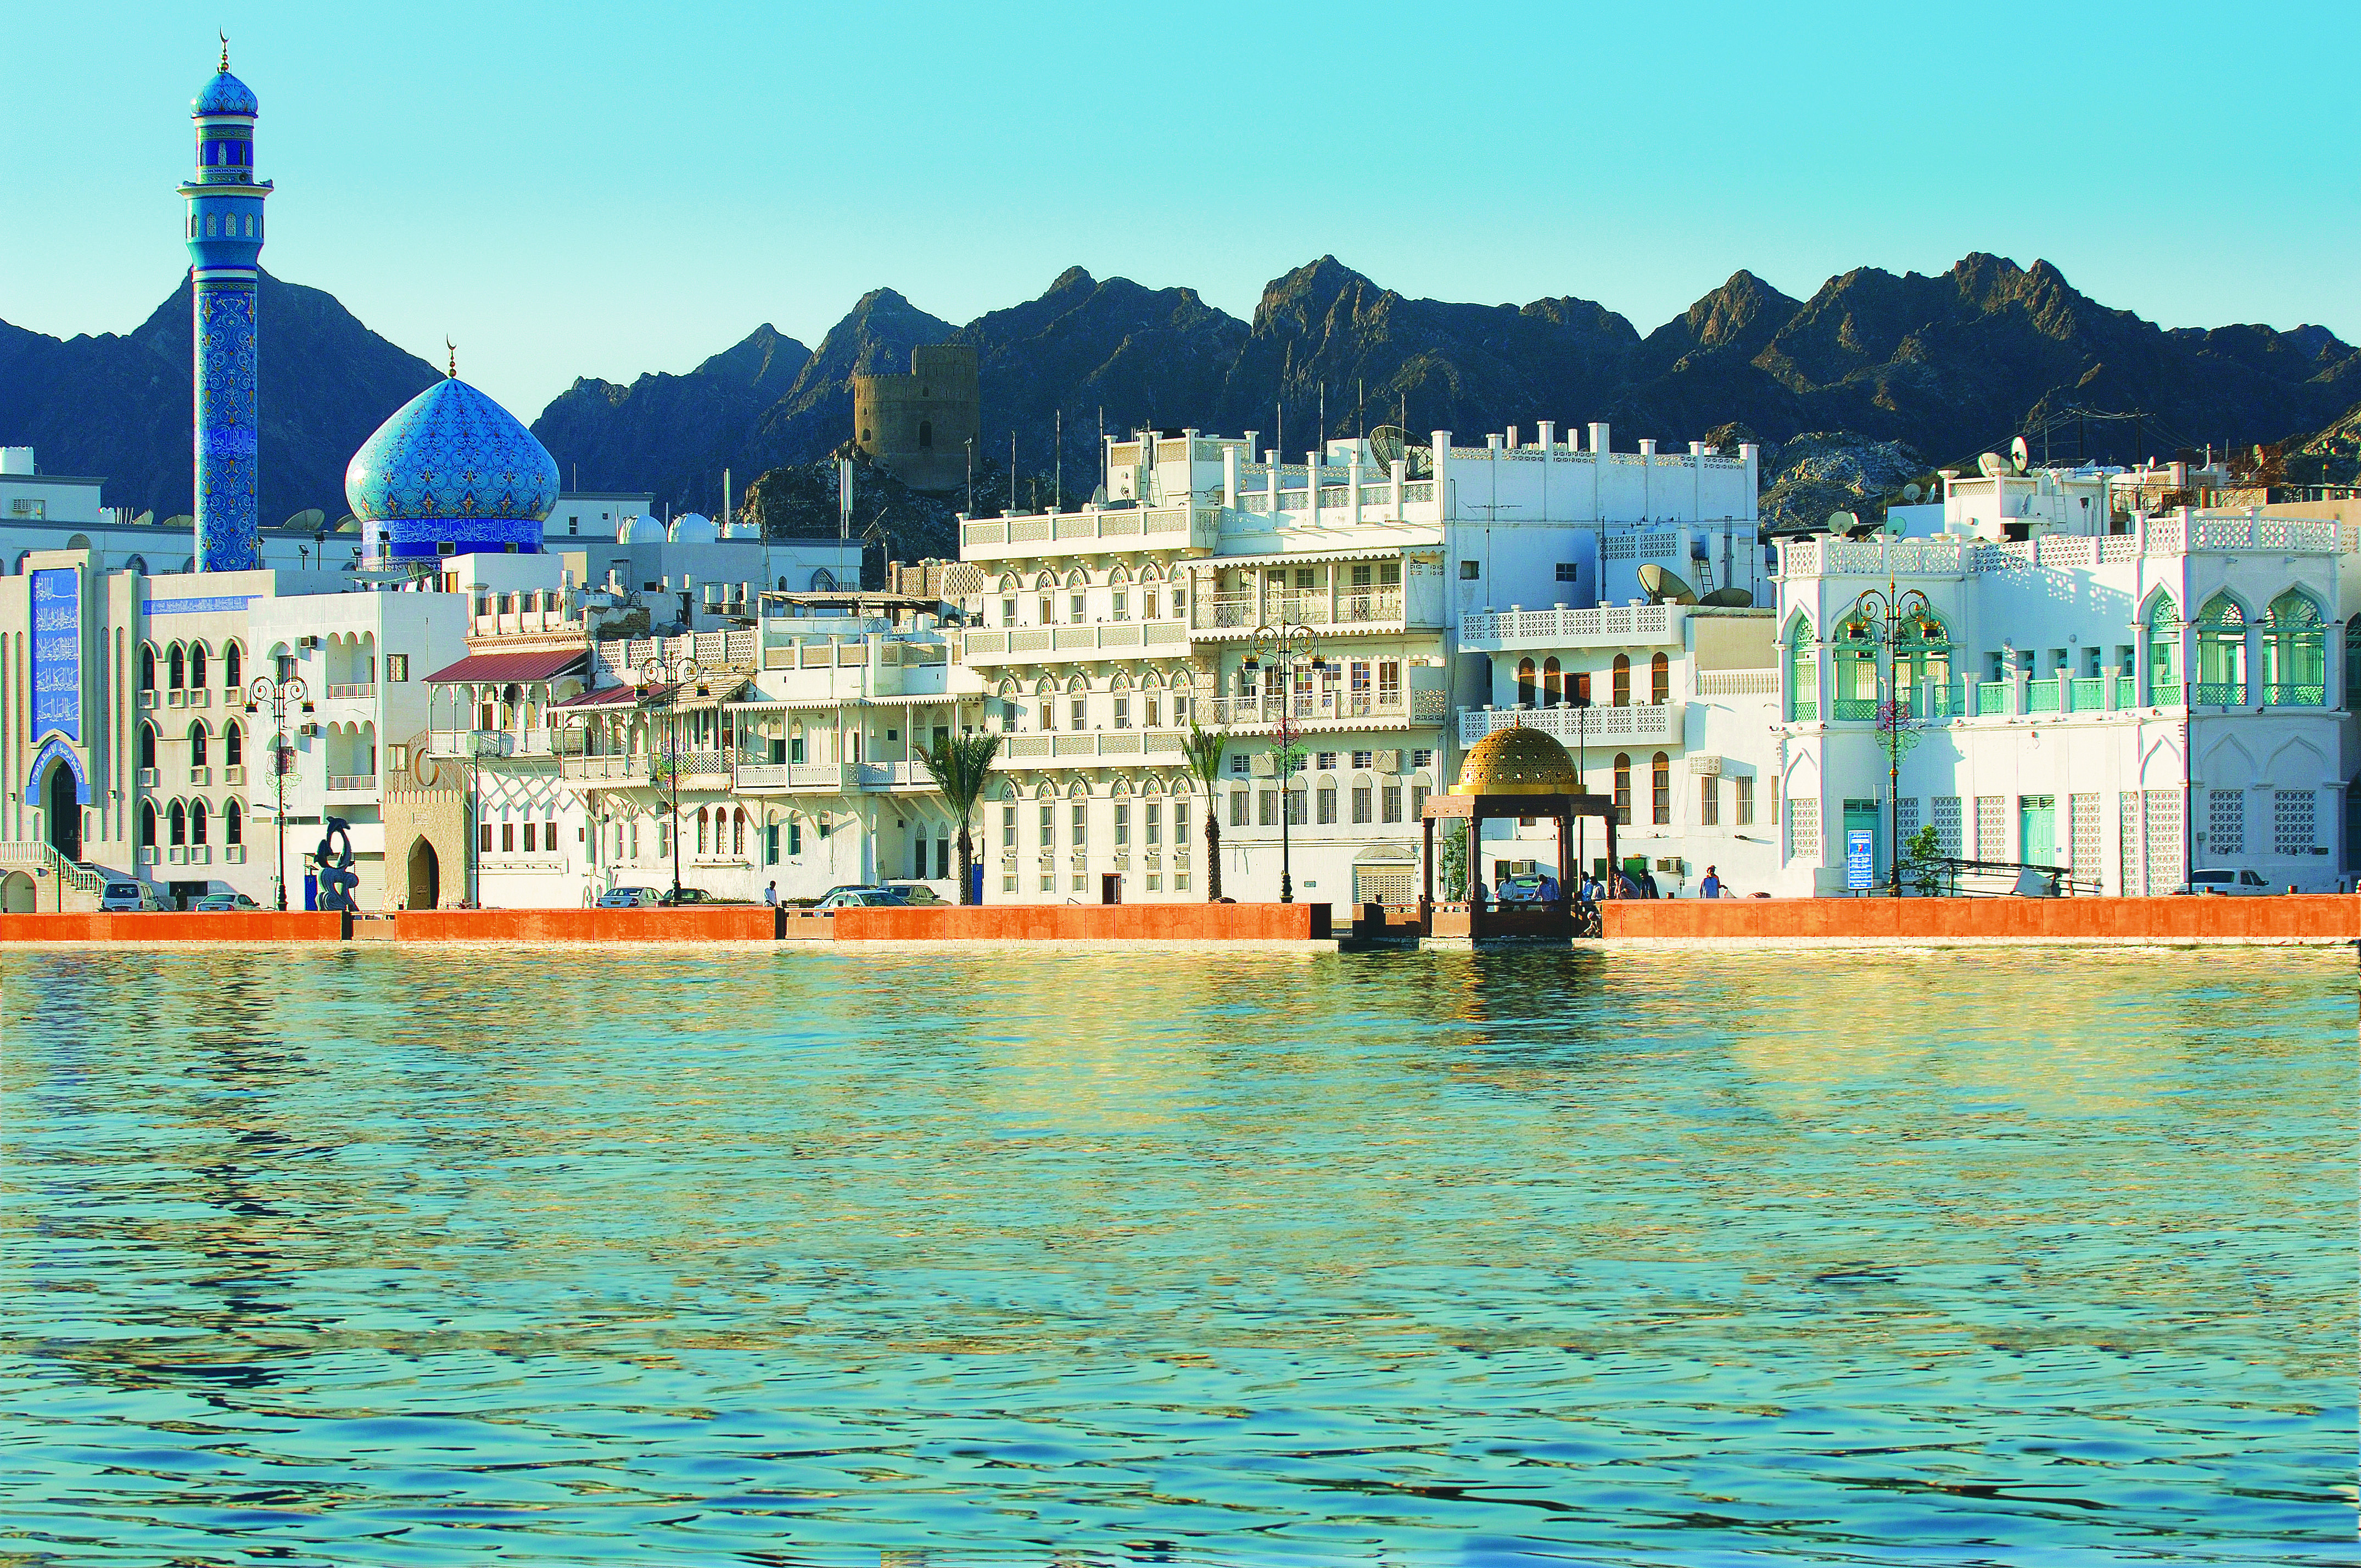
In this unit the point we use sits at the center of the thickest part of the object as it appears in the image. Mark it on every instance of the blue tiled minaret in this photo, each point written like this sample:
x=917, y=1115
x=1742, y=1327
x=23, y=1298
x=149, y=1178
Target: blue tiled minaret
x=225, y=249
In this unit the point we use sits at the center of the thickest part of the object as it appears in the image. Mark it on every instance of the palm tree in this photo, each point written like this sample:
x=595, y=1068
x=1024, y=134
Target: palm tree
x=960, y=764
x=1203, y=751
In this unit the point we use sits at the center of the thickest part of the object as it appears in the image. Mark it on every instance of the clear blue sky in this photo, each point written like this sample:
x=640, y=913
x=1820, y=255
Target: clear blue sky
x=598, y=190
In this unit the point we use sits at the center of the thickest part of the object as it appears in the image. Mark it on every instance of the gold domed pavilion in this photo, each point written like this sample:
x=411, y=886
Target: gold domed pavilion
x=1516, y=761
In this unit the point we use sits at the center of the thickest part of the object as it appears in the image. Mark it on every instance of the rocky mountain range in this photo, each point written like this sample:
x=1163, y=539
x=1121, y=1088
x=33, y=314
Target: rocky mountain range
x=1924, y=369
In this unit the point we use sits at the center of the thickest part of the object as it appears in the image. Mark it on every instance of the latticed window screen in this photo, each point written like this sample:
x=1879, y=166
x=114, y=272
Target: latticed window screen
x=2293, y=821
x=2160, y=840
x=2082, y=827
x=2225, y=823
x=1804, y=830
x=2129, y=859
x=1947, y=825
x=1906, y=818
x=1992, y=827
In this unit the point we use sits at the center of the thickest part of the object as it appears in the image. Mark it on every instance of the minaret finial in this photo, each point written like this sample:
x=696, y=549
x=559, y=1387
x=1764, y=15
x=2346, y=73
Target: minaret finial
x=454, y=349
x=224, y=38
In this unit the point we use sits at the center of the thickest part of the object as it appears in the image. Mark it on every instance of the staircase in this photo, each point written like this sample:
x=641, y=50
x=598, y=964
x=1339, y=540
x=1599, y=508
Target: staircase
x=81, y=885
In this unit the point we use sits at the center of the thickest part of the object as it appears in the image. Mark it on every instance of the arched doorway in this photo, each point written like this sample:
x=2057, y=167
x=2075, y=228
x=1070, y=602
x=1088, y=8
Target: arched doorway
x=64, y=811
x=16, y=894
x=425, y=877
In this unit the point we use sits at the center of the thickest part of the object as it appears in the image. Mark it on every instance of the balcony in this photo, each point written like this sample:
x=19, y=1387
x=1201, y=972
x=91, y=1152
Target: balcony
x=1608, y=626
x=352, y=783
x=1327, y=710
x=1350, y=610
x=2314, y=694
x=461, y=744
x=1124, y=529
x=1649, y=723
x=889, y=775
x=784, y=778
x=1055, y=644
x=1090, y=748
x=2218, y=694
x=358, y=691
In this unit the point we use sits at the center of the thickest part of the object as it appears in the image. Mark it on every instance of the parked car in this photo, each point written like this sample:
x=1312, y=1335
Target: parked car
x=696, y=895
x=224, y=904
x=2247, y=881
x=914, y=892
x=118, y=897
x=628, y=898
x=864, y=898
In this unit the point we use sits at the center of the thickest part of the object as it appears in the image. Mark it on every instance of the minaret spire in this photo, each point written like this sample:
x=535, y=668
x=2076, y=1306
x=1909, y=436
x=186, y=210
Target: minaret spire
x=224, y=38
x=453, y=350
x=224, y=230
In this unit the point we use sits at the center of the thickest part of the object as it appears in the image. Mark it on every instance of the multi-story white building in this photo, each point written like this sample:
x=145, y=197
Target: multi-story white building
x=2131, y=697
x=1668, y=708
x=1102, y=634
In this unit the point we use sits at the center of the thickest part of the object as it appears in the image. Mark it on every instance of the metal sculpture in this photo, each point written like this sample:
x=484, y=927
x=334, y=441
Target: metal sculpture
x=335, y=858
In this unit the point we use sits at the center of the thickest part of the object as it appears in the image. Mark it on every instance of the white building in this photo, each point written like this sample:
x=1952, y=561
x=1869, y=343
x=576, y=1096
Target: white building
x=2130, y=697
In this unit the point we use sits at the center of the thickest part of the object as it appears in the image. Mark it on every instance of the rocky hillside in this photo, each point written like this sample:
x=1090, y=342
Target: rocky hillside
x=120, y=406
x=1944, y=365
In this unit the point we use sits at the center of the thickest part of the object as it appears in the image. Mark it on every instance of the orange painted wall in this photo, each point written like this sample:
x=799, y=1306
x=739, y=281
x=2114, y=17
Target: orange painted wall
x=255, y=926
x=727, y=924
x=2322, y=917
x=1088, y=923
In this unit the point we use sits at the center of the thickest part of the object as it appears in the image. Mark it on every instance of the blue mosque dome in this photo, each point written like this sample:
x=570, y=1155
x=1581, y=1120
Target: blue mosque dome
x=225, y=94
x=451, y=473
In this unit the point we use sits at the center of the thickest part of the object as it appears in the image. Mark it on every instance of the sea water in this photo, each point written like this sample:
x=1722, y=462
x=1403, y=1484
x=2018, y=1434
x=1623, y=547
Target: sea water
x=563, y=1256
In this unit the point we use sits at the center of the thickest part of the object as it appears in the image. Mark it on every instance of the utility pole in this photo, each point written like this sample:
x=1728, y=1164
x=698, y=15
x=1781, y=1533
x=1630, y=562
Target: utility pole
x=1058, y=461
x=1012, y=473
x=970, y=475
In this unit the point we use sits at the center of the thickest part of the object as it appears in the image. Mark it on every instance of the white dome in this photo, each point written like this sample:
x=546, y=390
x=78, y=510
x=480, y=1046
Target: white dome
x=640, y=531
x=692, y=528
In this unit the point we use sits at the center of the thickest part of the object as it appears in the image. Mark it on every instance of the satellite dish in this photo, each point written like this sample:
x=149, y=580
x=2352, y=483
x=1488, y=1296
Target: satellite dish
x=145, y=519
x=1911, y=492
x=1728, y=598
x=2020, y=456
x=1389, y=443
x=1664, y=588
x=349, y=523
x=1992, y=465
x=180, y=520
x=310, y=520
x=1843, y=521
x=1098, y=497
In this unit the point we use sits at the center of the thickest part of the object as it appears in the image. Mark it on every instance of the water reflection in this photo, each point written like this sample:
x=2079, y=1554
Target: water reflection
x=803, y=1258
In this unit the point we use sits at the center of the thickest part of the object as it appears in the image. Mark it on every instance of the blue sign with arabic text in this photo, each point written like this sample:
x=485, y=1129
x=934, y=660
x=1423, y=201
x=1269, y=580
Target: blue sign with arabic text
x=1860, y=859
x=57, y=653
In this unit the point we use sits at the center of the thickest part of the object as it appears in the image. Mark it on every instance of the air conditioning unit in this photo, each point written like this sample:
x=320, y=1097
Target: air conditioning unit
x=307, y=729
x=307, y=643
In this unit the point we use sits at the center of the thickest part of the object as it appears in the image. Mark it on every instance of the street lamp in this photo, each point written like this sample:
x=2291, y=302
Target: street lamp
x=1284, y=647
x=277, y=694
x=1885, y=620
x=652, y=671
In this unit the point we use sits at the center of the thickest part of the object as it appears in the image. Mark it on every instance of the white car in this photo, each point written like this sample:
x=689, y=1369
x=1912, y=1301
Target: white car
x=629, y=898
x=126, y=897
x=2246, y=882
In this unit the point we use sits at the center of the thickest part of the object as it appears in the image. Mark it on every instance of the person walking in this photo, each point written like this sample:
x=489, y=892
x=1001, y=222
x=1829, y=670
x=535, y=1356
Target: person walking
x=1711, y=886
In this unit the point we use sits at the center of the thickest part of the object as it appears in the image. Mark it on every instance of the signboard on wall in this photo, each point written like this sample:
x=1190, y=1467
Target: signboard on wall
x=57, y=653
x=1861, y=867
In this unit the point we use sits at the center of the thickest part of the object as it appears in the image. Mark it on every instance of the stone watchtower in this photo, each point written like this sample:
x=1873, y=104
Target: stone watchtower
x=917, y=427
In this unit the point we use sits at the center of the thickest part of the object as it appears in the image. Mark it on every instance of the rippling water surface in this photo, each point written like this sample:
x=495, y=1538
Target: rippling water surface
x=364, y=1257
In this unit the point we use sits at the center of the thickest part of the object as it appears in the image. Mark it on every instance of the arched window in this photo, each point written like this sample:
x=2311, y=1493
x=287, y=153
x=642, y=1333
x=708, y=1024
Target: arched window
x=147, y=824
x=1623, y=788
x=197, y=744
x=1525, y=682
x=196, y=666
x=1856, y=671
x=232, y=745
x=233, y=823
x=233, y=667
x=1660, y=784
x=1660, y=680
x=703, y=829
x=147, y=745
x=196, y=822
x=1922, y=663
x=178, y=818
x=2295, y=653
x=2221, y=654
x=738, y=831
x=147, y=667
x=1622, y=680
x=1802, y=671
x=176, y=666
x=1552, y=681
x=2163, y=633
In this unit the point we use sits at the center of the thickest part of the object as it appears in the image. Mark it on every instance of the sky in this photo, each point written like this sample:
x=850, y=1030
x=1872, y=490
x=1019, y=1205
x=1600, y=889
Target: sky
x=598, y=189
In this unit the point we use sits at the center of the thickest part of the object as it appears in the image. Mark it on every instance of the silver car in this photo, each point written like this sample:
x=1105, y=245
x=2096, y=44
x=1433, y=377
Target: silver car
x=629, y=898
x=2244, y=880
x=128, y=897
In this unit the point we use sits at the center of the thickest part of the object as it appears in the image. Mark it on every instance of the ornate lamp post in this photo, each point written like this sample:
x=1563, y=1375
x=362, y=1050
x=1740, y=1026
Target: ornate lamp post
x=1283, y=648
x=666, y=766
x=276, y=695
x=1886, y=619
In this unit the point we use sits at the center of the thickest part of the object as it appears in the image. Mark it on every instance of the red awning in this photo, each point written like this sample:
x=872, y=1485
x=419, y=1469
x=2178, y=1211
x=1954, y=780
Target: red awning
x=498, y=669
